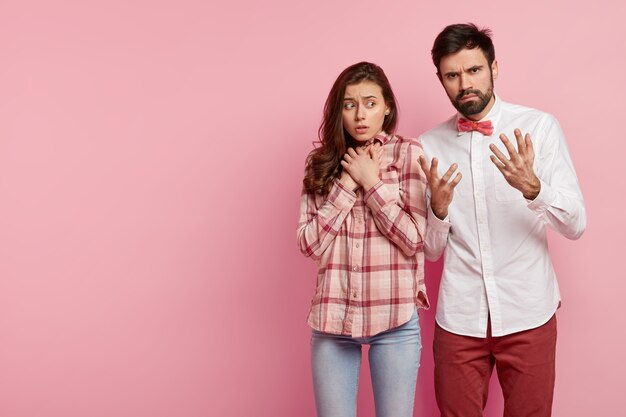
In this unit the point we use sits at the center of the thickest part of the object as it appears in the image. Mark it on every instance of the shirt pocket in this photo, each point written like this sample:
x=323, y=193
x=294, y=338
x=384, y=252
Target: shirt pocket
x=503, y=191
x=392, y=183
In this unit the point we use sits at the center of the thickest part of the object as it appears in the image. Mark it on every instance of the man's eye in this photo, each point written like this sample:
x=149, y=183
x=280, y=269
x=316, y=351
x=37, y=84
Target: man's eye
x=451, y=76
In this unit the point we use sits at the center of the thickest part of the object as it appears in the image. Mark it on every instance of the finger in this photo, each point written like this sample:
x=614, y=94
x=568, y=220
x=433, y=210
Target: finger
x=456, y=180
x=374, y=153
x=502, y=157
x=521, y=146
x=433, y=167
x=530, y=149
x=352, y=153
x=509, y=147
x=347, y=158
x=449, y=172
x=497, y=163
x=345, y=165
x=424, y=165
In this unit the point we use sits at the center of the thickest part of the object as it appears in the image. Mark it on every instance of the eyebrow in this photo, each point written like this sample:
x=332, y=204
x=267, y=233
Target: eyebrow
x=469, y=69
x=351, y=98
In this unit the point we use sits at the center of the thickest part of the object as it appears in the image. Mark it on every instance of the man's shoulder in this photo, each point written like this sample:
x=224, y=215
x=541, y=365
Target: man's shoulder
x=520, y=111
x=444, y=129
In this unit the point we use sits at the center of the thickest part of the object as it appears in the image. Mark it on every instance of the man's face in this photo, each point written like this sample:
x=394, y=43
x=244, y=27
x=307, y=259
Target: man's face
x=468, y=81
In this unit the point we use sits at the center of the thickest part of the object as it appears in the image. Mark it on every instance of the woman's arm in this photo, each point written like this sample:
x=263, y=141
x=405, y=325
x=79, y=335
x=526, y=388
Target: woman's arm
x=318, y=226
x=402, y=219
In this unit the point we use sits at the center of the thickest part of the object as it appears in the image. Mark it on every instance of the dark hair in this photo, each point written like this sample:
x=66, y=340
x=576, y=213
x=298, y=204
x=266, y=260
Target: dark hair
x=323, y=163
x=459, y=36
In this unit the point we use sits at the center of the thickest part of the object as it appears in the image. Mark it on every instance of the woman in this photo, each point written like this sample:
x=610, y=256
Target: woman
x=362, y=219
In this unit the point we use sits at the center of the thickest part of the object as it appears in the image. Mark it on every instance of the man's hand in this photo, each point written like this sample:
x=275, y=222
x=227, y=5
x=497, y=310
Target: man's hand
x=363, y=165
x=441, y=188
x=518, y=168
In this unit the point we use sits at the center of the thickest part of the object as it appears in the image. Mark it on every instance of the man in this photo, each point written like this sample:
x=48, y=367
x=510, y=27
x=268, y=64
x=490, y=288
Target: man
x=514, y=178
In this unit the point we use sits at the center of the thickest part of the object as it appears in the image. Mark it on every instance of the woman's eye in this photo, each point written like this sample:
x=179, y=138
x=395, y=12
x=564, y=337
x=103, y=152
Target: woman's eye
x=371, y=103
x=348, y=106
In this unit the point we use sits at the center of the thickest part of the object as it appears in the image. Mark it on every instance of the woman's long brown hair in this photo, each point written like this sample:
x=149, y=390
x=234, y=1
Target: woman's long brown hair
x=324, y=162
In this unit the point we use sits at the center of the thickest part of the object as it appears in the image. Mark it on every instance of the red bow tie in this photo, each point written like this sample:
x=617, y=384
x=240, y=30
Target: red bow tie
x=486, y=128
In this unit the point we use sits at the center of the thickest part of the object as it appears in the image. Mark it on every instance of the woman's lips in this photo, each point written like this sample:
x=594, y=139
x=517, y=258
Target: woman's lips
x=361, y=129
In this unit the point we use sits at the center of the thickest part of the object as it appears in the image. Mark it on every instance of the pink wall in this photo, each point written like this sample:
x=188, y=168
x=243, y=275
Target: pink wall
x=151, y=155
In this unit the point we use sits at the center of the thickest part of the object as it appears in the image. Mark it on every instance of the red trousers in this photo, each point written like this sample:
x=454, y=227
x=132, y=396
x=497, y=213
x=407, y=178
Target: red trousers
x=524, y=362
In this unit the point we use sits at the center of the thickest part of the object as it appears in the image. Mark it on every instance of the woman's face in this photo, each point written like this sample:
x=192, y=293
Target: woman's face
x=364, y=110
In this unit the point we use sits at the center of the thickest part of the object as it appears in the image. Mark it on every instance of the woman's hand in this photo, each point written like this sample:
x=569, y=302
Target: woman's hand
x=346, y=180
x=363, y=165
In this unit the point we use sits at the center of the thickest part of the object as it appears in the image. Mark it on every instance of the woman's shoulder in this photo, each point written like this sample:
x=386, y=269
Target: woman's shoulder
x=404, y=141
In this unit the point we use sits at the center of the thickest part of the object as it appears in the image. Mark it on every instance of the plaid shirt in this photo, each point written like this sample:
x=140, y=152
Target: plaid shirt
x=369, y=247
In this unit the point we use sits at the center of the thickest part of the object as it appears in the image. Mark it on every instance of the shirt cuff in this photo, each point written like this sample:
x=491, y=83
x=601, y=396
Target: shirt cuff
x=341, y=197
x=436, y=224
x=377, y=196
x=544, y=199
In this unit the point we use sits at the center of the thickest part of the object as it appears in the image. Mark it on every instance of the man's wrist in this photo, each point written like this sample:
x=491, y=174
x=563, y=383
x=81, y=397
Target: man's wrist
x=441, y=214
x=533, y=191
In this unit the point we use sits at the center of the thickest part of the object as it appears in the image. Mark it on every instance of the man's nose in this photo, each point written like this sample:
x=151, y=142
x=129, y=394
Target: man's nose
x=466, y=82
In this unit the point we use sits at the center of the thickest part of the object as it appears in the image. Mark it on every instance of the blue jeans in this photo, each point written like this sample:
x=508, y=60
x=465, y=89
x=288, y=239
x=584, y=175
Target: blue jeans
x=394, y=358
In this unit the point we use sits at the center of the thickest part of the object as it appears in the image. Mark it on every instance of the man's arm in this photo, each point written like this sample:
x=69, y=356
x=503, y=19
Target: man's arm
x=553, y=192
x=439, y=197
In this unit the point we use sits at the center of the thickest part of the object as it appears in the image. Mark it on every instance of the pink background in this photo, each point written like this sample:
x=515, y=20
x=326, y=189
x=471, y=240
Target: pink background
x=151, y=157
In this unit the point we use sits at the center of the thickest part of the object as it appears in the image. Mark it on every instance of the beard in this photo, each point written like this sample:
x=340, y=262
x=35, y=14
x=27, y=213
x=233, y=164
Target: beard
x=470, y=108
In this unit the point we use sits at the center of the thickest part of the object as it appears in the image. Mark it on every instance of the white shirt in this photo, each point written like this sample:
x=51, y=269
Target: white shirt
x=496, y=262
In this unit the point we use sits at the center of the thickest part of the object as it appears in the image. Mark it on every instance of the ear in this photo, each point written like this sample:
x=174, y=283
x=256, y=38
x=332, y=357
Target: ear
x=387, y=109
x=494, y=69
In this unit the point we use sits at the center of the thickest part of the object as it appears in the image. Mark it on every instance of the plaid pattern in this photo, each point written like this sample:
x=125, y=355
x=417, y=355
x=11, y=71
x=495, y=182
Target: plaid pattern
x=369, y=247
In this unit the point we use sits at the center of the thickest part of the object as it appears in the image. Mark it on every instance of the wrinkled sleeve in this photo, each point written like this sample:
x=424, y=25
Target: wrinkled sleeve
x=318, y=226
x=437, y=231
x=402, y=219
x=560, y=202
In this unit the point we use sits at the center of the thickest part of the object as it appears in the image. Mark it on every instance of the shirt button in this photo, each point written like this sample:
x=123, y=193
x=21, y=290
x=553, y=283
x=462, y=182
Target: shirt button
x=354, y=294
x=357, y=245
x=355, y=268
